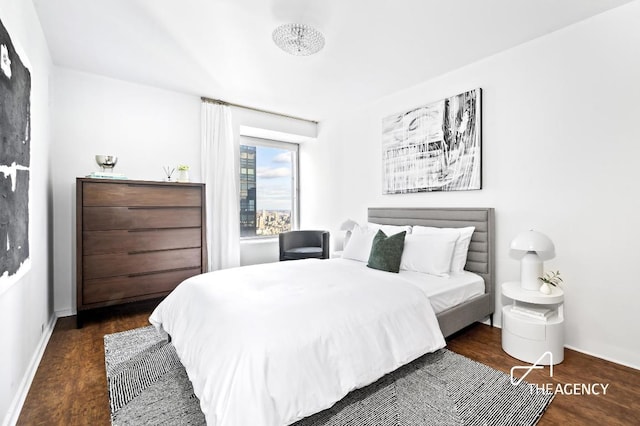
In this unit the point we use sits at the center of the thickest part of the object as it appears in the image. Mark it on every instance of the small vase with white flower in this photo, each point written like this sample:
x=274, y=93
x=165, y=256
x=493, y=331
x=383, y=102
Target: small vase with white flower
x=550, y=279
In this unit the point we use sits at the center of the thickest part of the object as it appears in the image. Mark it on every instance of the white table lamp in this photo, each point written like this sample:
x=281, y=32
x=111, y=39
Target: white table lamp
x=532, y=248
x=348, y=225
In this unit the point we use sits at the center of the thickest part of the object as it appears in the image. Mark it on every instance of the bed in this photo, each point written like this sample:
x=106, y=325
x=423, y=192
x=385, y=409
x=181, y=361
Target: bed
x=271, y=344
x=480, y=258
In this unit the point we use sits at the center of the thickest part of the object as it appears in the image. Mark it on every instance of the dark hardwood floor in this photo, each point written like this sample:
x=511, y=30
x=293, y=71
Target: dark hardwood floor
x=620, y=405
x=70, y=386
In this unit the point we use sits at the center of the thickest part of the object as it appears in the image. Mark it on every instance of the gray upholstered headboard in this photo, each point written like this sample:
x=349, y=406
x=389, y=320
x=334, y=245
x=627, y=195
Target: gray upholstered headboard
x=480, y=258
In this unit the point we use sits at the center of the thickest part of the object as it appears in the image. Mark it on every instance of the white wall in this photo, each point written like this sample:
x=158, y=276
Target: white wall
x=146, y=128
x=26, y=312
x=560, y=147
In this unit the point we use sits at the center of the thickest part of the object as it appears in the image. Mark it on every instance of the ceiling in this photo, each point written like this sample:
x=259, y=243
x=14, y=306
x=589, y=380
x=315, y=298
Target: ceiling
x=223, y=49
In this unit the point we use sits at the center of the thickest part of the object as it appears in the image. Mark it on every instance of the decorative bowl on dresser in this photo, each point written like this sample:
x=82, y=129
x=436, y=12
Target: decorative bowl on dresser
x=136, y=240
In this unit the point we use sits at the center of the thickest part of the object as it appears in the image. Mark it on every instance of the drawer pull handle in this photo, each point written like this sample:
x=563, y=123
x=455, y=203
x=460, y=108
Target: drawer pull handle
x=164, y=208
x=160, y=250
x=142, y=274
x=161, y=229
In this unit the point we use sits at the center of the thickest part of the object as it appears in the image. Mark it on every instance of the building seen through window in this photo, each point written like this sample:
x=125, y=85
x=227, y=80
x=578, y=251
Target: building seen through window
x=267, y=188
x=247, y=191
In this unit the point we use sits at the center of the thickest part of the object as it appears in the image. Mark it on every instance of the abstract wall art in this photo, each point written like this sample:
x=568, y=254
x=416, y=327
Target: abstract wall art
x=15, y=159
x=436, y=147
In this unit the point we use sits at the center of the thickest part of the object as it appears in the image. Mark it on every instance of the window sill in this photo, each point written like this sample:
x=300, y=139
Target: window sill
x=259, y=240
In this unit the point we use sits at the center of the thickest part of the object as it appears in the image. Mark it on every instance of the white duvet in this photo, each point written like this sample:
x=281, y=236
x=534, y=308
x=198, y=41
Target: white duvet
x=271, y=344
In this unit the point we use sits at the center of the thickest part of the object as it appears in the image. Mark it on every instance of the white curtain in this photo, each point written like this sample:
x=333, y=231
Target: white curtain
x=220, y=172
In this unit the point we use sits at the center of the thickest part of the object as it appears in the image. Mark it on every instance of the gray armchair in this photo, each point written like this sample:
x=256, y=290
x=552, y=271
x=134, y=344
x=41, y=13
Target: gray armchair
x=304, y=245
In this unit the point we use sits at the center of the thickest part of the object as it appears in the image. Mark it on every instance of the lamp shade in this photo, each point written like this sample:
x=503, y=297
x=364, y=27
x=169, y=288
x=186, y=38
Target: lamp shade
x=348, y=225
x=532, y=241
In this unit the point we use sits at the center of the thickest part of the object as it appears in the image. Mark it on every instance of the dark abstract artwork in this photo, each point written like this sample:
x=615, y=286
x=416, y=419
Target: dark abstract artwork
x=15, y=134
x=433, y=148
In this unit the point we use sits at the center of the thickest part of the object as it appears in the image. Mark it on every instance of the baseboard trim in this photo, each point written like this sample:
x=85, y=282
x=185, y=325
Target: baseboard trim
x=595, y=355
x=18, y=401
x=65, y=313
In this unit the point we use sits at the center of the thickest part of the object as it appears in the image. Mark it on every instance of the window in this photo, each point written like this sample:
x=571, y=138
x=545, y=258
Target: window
x=268, y=187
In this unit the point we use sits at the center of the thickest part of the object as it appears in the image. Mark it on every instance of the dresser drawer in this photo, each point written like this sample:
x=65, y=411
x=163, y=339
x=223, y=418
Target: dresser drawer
x=530, y=329
x=104, y=242
x=121, y=288
x=139, y=195
x=111, y=265
x=113, y=218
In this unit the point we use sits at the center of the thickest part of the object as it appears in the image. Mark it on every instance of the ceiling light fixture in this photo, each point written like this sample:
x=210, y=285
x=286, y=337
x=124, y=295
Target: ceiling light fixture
x=298, y=39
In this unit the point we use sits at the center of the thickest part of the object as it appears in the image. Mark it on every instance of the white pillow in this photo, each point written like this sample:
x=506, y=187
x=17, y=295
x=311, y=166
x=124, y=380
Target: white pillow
x=459, y=258
x=389, y=230
x=359, y=245
x=429, y=253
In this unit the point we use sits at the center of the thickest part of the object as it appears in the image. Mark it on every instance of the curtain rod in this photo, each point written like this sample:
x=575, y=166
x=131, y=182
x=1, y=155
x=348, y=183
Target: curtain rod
x=218, y=101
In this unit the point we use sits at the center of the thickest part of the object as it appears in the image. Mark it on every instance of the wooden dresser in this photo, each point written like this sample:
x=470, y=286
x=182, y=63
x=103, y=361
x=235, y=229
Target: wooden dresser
x=136, y=240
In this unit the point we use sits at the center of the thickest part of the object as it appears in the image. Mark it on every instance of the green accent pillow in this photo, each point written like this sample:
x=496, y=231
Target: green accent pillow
x=386, y=252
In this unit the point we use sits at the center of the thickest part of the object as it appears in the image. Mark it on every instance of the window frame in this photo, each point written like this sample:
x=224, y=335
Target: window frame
x=295, y=177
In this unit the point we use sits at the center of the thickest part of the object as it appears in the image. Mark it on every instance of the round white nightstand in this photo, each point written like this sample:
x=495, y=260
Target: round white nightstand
x=533, y=324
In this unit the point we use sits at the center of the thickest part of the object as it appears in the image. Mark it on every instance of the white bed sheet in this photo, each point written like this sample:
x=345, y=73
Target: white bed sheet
x=271, y=344
x=445, y=293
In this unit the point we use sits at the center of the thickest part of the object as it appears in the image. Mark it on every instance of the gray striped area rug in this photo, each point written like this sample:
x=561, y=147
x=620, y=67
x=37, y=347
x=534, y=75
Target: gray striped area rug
x=149, y=386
